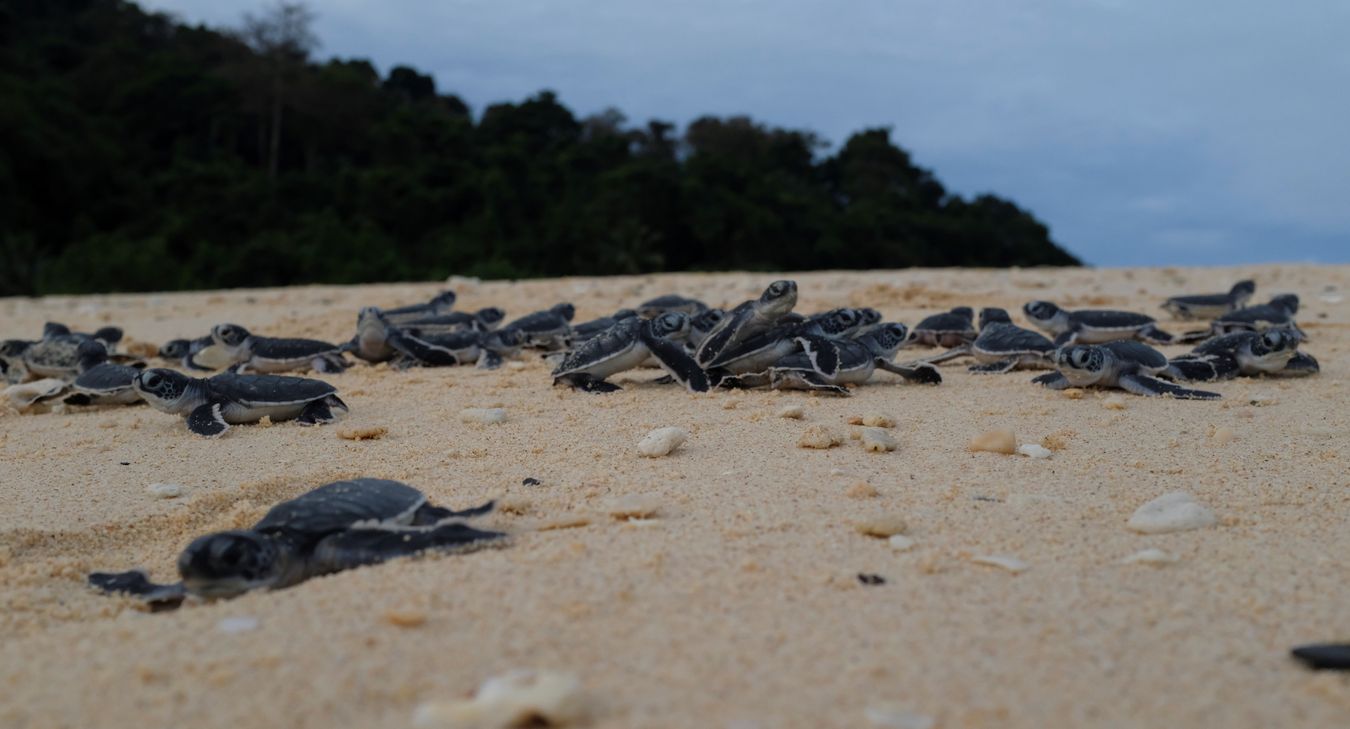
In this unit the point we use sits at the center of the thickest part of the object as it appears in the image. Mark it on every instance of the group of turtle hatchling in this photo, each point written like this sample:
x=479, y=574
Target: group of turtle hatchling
x=77, y=368
x=1110, y=348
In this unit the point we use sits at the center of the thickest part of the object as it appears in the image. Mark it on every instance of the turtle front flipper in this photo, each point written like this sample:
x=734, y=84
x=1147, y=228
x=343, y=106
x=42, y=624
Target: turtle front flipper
x=1066, y=338
x=1301, y=364
x=424, y=353
x=207, y=420
x=138, y=584
x=677, y=362
x=822, y=353
x=1324, y=656
x=587, y=383
x=1201, y=368
x=1052, y=380
x=922, y=373
x=373, y=545
x=1153, y=335
x=994, y=368
x=1150, y=386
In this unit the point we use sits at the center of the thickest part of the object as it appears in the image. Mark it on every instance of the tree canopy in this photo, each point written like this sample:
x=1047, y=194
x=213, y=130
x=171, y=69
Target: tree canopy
x=143, y=154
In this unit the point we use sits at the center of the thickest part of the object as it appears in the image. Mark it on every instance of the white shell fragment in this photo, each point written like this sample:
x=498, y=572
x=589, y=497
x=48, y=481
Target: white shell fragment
x=239, y=624
x=1151, y=556
x=1002, y=561
x=165, y=490
x=900, y=542
x=661, y=442
x=877, y=440
x=889, y=716
x=483, y=416
x=1032, y=450
x=1174, y=512
x=22, y=396
x=517, y=698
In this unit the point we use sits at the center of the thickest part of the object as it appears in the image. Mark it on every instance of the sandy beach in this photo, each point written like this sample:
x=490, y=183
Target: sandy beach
x=737, y=604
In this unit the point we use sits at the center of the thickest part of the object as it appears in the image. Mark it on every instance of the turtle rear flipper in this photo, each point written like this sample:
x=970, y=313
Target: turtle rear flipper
x=1202, y=368
x=1150, y=386
x=677, y=362
x=373, y=545
x=923, y=373
x=207, y=420
x=428, y=515
x=489, y=360
x=1052, y=380
x=587, y=383
x=424, y=353
x=1066, y=338
x=138, y=584
x=330, y=364
x=1153, y=335
x=994, y=368
x=320, y=412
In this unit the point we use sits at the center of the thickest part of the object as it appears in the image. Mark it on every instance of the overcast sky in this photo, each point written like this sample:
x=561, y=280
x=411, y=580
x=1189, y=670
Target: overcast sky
x=1140, y=131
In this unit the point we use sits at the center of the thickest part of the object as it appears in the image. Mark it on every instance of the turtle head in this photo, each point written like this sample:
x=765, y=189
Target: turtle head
x=886, y=339
x=1272, y=349
x=163, y=389
x=1287, y=302
x=443, y=300
x=175, y=349
x=1081, y=364
x=707, y=319
x=14, y=347
x=994, y=315
x=54, y=329
x=490, y=317
x=91, y=353
x=1243, y=289
x=1044, y=314
x=670, y=324
x=965, y=312
x=108, y=335
x=227, y=564
x=867, y=316
x=230, y=336
x=840, y=321
x=780, y=297
x=504, y=341
x=564, y=310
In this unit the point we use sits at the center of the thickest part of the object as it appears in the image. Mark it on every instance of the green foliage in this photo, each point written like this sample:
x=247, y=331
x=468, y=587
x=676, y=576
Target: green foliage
x=141, y=154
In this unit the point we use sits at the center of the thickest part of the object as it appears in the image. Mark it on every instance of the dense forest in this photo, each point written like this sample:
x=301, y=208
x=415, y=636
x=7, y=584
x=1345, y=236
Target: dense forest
x=143, y=154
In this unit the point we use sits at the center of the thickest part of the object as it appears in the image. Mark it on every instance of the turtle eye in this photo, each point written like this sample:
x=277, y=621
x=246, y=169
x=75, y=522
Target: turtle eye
x=151, y=380
x=1272, y=340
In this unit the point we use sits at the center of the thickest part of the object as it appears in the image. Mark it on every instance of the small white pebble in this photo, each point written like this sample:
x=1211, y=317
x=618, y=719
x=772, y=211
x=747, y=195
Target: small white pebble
x=241, y=624
x=483, y=416
x=900, y=542
x=877, y=440
x=515, y=365
x=1174, y=512
x=518, y=698
x=661, y=442
x=1032, y=450
x=890, y=716
x=165, y=490
x=792, y=412
x=1151, y=556
x=1011, y=564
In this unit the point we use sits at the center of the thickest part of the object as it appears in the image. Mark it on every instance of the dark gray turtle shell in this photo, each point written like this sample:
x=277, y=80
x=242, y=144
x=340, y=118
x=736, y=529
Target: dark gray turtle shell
x=1272, y=314
x=1135, y=351
x=106, y=379
x=256, y=390
x=1226, y=344
x=1010, y=339
x=1111, y=319
x=288, y=348
x=543, y=322
x=340, y=505
x=613, y=342
x=853, y=355
x=960, y=319
x=655, y=307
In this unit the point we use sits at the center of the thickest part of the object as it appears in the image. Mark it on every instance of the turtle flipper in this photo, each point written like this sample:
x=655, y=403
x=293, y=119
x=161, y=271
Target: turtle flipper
x=949, y=355
x=429, y=515
x=320, y=412
x=138, y=584
x=1301, y=364
x=373, y=545
x=208, y=421
x=1153, y=335
x=424, y=353
x=677, y=362
x=1066, y=338
x=803, y=380
x=489, y=360
x=922, y=373
x=1324, y=656
x=587, y=383
x=744, y=381
x=1150, y=386
x=822, y=353
x=1201, y=368
x=330, y=364
x=1052, y=380
x=994, y=368
x=1193, y=337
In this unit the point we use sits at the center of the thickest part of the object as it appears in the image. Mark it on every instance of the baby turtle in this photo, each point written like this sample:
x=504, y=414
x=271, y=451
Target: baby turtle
x=747, y=364
x=269, y=355
x=1002, y=346
x=212, y=405
x=550, y=329
x=1093, y=326
x=587, y=329
x=748, y=319
x=440, y=304
x=483, y=320
x=487, y=349
x=1279, y=312
x=1272, y=352
x=187, y=351
x=57, y=353
x=858, y=359
x=335, y=527
x=627, y=345
x=652, y=308
x=11, y=356
x=1124, y=364
x=1211, y=306
x=101, y=382
x=948, y=329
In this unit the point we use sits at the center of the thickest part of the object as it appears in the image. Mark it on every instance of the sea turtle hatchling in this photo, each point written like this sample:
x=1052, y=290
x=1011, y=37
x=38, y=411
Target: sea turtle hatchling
x=442, y=303
x=858, y=359
x=1273, y=352
x=57, y=353
x=948, y=329
x=747, y=364
x=268, y=355
x=1093, y=326
x=101, y=382
x=486, y=349
x=1002, y=346
x=748, y=319
x=483, y=320
x=652, y=308
x=627, y=345
x=587, y=329
x=186, y=352
x=211, y=405
x=1124, y=364
x=549, y=330
x=1211, y=306
x=1278, y=312
x=335, y=527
